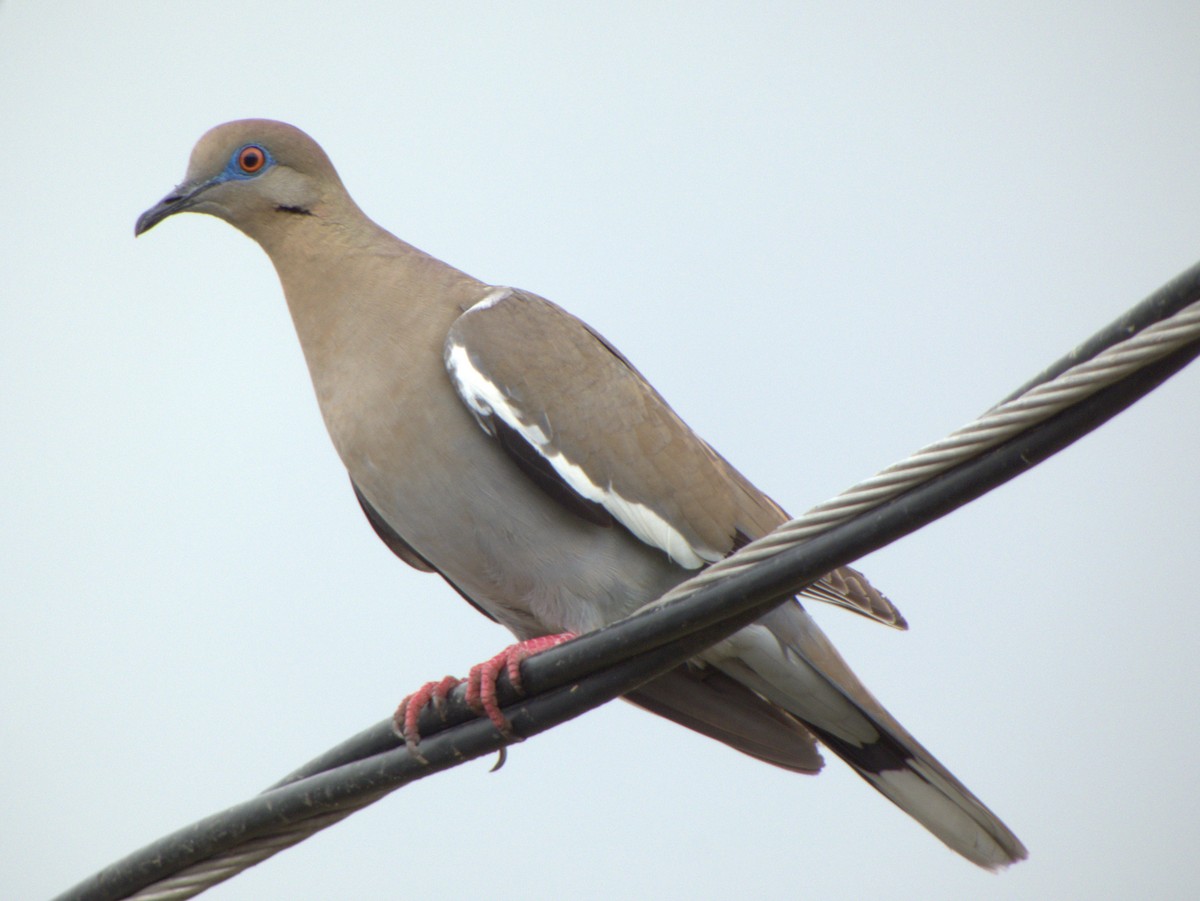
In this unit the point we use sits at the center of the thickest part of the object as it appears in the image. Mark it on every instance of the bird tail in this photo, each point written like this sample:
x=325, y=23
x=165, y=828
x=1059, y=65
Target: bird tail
x=788, y=660
x=912, y=779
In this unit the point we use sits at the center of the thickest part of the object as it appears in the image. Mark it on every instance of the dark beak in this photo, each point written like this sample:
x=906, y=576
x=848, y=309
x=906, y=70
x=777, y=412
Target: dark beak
x=177, y=201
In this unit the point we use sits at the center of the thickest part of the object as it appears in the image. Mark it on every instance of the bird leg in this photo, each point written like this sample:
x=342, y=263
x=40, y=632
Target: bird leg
x=481, y=690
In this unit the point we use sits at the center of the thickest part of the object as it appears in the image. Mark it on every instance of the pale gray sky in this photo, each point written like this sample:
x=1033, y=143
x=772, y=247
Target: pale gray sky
x=828, y=233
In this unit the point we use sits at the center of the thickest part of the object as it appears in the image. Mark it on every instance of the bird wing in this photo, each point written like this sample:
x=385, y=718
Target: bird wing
x=584, y=425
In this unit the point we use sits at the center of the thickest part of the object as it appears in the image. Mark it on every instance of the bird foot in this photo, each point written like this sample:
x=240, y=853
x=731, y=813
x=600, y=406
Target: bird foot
x=481, y=683
x=406, y=718
x=481, y=691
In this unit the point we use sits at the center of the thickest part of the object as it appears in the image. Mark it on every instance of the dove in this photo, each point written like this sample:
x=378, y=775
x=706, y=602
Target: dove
x=498, y=441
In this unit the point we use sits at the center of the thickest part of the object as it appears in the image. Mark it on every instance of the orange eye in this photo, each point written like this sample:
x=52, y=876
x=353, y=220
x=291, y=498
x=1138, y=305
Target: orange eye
x=251, y=159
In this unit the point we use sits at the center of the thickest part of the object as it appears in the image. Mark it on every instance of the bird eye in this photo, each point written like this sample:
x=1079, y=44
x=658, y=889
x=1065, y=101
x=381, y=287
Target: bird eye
x=250, y=159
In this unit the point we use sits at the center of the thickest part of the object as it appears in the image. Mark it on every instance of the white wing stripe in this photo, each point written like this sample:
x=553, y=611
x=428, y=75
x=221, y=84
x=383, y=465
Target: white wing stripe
x=490, y=299
x=485, y=398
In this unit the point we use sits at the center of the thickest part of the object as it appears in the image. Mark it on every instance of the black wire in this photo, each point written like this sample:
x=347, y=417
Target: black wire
x=1164, y=303
x=565, y=681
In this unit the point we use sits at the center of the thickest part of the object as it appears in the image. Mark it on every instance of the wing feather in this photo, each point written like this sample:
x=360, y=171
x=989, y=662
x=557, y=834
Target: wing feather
x=584, y=425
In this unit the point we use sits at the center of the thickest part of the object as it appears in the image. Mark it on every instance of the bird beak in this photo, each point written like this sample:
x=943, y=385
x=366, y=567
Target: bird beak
x=182, y=198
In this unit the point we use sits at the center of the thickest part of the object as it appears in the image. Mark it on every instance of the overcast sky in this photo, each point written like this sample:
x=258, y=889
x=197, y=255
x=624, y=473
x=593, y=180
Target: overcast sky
x=828, y=233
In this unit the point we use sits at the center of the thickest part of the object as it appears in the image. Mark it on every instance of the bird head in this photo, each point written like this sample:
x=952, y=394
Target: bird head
x=255, y=174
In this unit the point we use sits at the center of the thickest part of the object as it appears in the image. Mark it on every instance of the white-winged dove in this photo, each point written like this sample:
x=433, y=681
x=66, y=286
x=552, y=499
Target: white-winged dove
x=498, y=441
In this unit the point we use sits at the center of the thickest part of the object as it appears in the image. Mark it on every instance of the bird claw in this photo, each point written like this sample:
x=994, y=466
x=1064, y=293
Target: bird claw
x=481, y=683
x=406, y=719
x=481, y=692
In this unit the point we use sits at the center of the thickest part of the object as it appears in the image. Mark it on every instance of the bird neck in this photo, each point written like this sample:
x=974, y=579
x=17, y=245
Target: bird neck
x=371, y=311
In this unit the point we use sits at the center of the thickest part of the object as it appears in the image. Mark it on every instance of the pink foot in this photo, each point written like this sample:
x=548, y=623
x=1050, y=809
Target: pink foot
x=405, y=719
x=481, y=690
x=481, y=683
